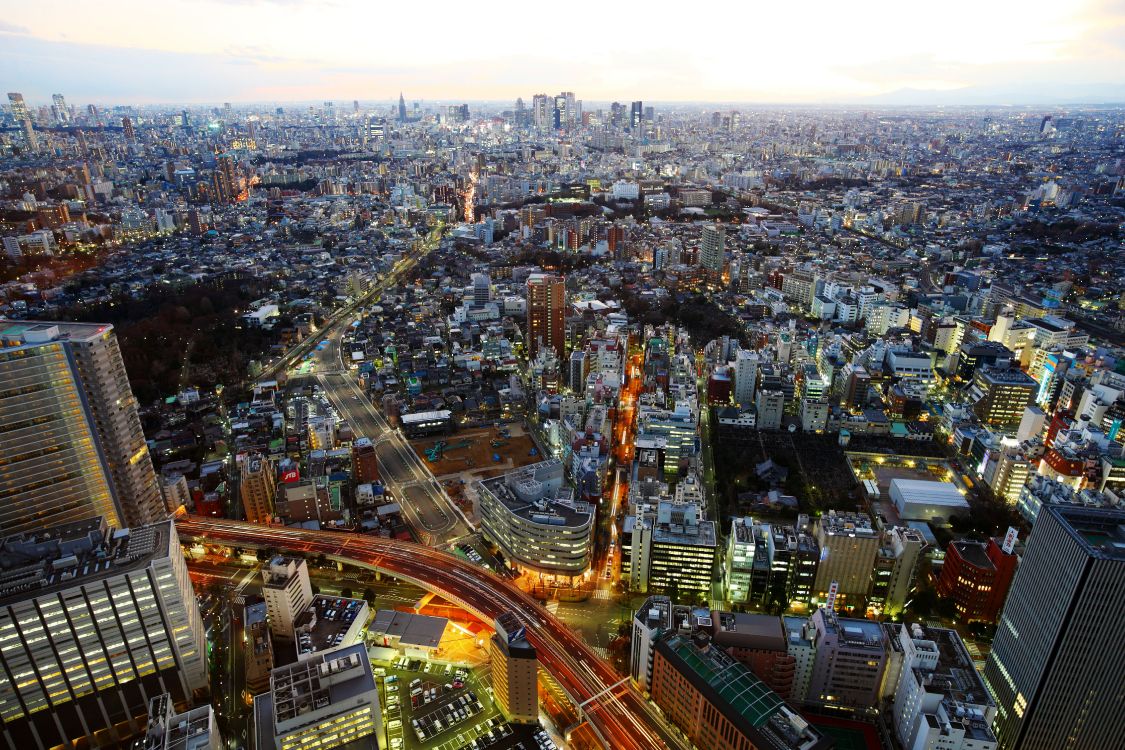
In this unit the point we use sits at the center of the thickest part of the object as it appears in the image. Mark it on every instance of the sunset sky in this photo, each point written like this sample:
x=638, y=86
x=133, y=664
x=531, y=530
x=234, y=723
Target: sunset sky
x=813, y=51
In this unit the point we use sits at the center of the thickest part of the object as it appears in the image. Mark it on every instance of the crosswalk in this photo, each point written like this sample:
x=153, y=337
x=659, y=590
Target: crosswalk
x=603, y=594
x=601, y=651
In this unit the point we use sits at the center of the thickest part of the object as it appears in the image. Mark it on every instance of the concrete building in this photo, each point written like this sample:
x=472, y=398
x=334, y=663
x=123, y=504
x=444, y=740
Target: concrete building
x=287, y=591
x=416, y=636
x=711, y=249
x=658, y=615
x=69, y=430
x=925, y=500
x=257, y=487
x=720, y=704
x=191, y=730
x=848, y=548
x=800, y=635
x=515, y=670
x=940, y=701
x=850, y=658
x=745, y=378
x=534, y=519
x=328, y=701
x=770, y=407
x=93, y=624
x=1056, y=665
x=1000, y=395
x=760, y=643
x=257, y=645
x=894, y=569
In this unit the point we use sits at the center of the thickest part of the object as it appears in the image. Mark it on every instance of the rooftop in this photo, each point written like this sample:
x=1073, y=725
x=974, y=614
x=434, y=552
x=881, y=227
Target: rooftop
x=317, y=683
x=72, y=554
x=537, y=493
x=14, y=333
x=325, y=623
x=410, y=629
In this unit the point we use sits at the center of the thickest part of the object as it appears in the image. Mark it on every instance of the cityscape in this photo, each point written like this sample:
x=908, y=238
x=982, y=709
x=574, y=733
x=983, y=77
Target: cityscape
x=486, y=416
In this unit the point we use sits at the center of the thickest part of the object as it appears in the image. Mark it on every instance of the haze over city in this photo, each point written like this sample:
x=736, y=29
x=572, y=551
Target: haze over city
x=880, y=51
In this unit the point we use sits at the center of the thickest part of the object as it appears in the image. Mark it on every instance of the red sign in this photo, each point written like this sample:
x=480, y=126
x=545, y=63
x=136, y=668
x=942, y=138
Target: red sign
x=293, y=475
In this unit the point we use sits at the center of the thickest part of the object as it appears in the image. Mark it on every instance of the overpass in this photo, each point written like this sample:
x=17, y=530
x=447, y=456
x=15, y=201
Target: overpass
x=614, y=710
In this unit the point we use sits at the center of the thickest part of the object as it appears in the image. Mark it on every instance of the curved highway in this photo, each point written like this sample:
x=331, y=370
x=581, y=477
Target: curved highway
x=619, y=715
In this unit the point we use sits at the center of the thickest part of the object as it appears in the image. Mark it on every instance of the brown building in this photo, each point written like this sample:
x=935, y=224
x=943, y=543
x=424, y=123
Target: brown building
x=257, y=488
x=977, y=577
x=1001, y=394
x=546, y=310
x=515, y=671
x=720, y=704
x=365, y=460
x=758, y=642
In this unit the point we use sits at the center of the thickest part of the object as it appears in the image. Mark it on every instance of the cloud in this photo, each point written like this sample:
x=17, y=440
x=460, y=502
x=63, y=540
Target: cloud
x=11, y=28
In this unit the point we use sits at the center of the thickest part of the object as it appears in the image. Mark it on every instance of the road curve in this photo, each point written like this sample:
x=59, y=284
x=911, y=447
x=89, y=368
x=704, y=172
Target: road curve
x=621, y=717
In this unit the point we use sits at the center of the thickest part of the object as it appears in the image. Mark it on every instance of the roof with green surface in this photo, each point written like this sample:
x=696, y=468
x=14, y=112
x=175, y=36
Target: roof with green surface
x=733, y=683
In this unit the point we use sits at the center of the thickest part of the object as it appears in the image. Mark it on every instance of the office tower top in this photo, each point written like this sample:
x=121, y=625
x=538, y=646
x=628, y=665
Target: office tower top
x=93, y=621
x=546, y=300
x=1057, y=669
x=401, y=108
x=69, y=430
x=514, y=671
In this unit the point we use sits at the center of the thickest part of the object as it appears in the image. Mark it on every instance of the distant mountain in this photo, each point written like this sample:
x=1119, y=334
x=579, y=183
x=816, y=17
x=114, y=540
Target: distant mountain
x=1014, y=95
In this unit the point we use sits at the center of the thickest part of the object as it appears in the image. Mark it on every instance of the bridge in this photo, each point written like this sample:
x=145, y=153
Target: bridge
x=619, y=716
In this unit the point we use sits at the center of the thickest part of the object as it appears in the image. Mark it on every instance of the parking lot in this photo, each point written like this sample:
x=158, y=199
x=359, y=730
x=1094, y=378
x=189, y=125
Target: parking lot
x=429, y=706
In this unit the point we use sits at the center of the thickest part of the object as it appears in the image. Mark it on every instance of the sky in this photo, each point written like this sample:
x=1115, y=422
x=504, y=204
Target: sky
x=803, y=51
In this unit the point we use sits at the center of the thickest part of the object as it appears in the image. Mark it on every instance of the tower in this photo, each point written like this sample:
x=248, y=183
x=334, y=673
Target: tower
x=636, y=116
x=69, y=430
x=711, y=249
x=21, y=115
x=546, y=298
x=514, y=671
x=127, y=129
x=401, y=108
x=1053, y=669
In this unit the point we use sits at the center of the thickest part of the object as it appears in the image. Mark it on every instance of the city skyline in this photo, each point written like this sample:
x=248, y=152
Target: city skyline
x=297, y=50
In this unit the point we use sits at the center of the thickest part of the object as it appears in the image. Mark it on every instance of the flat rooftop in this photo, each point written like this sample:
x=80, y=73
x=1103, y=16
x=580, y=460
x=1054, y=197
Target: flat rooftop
x=15, y=333
x=538, y=493
x=1101, y=532
x=33, y=564
x=411, y=630
x=324, y=623
x=324, y=680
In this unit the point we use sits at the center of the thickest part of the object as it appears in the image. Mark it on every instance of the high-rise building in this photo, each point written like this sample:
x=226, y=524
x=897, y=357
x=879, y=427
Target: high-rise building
x=977, y=577
x=850, y=658
x=1056, y=667
x=330, y=700
x=401, y=108
x=711, y=249
x=546, y=315
x=127, y=129
x=288, y=591
x=258, y=488
x=94, y=622
x=61, y=111
x=69, y=430
x=848, y=545
x=23, y=117
x=745, y=378
x=515, y=670
x=257, y=645
x=636, y=116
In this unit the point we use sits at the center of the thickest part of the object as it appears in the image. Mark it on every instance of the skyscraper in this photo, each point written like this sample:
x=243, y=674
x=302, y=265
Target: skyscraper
x=711, y=249
x=69, y=430
x=62, y=112
x=636, y=116
x=401, y=108
x=127, y=129
x=94, y=622
x=1057, y=669
x=21, y=115
x=546, y=300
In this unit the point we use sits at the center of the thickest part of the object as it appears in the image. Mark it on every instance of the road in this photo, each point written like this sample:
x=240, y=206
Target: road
x=428, y=509
x=344, y=315
x=616, y=712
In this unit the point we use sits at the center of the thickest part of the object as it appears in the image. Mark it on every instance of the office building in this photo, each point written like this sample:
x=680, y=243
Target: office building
x=1056, y=668
x=546, y=302
x=745, y=378
x=194, y=729
x=636, y=116
x=977, y=576
x=657, y=616
x=287, y=591
x=800, y=644
x=69, y=430
x=848, y=548
x=758, y=642
x=893, y=577
x=257, y=487
x=534, y=518
x=23, y=118
x=939, y=698
x=1000, y=395
x=515, y=671
x=720, y=704
x=850, y=658
x=94, y=622
x=328, y=701
x=257, y=645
